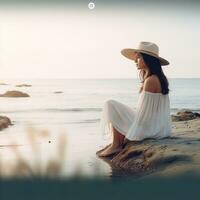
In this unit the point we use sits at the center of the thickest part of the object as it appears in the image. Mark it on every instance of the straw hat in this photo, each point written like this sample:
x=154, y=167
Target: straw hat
x=147, y=48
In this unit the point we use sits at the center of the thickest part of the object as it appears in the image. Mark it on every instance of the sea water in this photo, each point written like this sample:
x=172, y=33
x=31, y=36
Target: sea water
x=74, y=106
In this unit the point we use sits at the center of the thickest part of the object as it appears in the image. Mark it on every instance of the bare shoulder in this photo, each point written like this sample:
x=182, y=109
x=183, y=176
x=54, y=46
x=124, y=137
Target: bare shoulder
x=151, y=83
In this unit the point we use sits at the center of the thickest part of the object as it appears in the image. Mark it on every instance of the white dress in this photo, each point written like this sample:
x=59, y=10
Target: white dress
x=150, y=119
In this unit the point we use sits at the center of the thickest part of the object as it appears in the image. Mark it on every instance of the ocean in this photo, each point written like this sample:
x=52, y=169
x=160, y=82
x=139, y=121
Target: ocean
x=76, y=110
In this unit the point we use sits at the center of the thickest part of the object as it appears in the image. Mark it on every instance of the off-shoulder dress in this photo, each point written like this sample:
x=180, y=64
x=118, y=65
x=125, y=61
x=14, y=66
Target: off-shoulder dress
x=150, y=119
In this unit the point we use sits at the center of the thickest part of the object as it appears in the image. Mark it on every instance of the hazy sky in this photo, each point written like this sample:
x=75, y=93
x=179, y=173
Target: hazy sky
x=76, y=42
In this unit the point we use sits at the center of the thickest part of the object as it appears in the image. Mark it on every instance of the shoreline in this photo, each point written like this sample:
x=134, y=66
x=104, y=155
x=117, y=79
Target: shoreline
x=164, y=157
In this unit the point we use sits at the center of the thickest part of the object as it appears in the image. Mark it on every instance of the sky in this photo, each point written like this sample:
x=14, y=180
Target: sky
x=69, y=40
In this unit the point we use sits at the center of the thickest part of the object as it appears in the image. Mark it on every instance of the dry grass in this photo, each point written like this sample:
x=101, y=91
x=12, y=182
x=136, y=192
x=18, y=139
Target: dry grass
x=25, y=168
x=35, y=165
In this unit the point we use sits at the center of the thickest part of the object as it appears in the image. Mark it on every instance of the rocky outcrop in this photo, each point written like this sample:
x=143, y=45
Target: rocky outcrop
x=185, y=115
x=4, y=122
x=14, y=93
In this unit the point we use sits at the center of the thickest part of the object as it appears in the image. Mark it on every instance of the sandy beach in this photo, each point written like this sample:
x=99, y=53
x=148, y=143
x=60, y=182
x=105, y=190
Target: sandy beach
x=166, y=157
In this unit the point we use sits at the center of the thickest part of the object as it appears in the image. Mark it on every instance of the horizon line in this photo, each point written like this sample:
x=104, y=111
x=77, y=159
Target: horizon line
x=99, y=78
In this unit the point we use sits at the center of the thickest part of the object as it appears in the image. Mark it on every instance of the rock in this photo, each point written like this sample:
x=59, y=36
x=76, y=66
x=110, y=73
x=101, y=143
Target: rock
x=58, y=92
x=23, y=85
x=3, y=84
x=4, y=122
x=185, y=115
x=14, y=93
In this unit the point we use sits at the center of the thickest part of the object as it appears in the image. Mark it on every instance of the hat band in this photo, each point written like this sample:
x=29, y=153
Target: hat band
x=148, y=52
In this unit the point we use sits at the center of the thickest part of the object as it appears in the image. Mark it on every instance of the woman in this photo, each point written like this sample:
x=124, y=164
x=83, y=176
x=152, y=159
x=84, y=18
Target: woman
x=151, y=118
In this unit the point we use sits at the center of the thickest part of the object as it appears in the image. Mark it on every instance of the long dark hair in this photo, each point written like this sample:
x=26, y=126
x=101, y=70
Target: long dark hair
x=154, y=66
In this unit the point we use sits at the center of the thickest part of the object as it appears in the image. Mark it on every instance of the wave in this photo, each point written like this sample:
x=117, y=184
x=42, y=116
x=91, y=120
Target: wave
x=54, y=110
x=82, y=110
x=85, y=121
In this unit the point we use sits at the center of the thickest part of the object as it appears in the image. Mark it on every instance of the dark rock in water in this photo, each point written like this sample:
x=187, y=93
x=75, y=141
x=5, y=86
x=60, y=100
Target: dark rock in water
x=4, y=122
x=58, y=92
x=14, y=93
x=3, y=84
x=185, y=115
x=23, y=85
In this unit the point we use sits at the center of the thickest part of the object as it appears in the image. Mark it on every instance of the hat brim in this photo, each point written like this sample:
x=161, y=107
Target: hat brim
x=131, y=54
